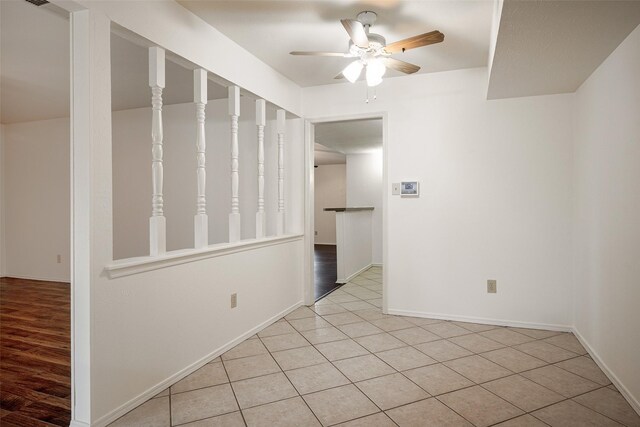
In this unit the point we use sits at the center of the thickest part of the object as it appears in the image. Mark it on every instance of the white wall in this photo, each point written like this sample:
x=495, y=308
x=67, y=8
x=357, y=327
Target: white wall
x=607, y=212
x=330, y=191
x=354, y=246
x=132, y=174
x=36, y=200
x=495, y=197
x=364, y=188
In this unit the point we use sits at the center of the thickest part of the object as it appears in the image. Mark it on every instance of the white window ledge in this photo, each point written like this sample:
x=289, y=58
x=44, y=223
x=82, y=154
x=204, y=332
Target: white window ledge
x=130, y=266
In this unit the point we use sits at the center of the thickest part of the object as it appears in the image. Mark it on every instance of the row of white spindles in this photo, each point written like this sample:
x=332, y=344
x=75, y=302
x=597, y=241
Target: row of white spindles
x=157, y=222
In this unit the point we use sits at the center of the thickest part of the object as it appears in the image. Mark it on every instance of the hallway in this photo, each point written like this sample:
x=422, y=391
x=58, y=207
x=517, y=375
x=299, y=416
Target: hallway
x=343, y=361
x=325, y=268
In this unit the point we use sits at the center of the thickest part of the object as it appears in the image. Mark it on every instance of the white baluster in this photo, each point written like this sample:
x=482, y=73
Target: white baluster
x=234, y=216
x=281, y=115
x=157, y=222
x=201, y=220
x=261, y=225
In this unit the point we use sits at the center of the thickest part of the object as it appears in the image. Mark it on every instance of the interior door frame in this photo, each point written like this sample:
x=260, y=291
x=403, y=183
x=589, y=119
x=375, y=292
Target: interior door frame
x=309, y=221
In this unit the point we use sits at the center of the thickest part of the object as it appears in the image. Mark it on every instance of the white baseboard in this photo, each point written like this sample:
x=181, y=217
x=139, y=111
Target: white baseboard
x=635, y=404
x=40, y=279
x=354, y=274
x=78, y=424
x=148, y=394
x=376, y=264
x=483, y=320
x=325, y=244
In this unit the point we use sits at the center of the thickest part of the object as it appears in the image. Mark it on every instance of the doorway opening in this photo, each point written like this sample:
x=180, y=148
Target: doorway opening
x=347, y=216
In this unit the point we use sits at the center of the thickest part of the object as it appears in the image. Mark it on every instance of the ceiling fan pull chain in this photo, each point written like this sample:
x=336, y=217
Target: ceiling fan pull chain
x=367, y=100
x=375, y=93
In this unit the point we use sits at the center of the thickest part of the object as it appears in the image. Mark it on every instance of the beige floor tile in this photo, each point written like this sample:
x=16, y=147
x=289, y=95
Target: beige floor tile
x=523, y=421
x=163, y=393
x=375, y=420
x=342, y=318
x=284, y=342
x=319, y=336
x=233, y=419
x=545, y=351
x=443, y=350
x=513, y=359
x=252, y=366
x=360, y=329
x=476, y=343
x=261, y=390
x=446, y=329
x=300, y=313
x=379, y=342
x=405, y=358
x=340, y=298
x=506, y=336
x=279, y=328
x=251, y=347
x=475, y=327
x=371, y=314
x=560, y=381
x=285, y=413
x=478, y=369
x=523, y=393
x=391, y=391
x=585, y=367
x=337, y=350
x=298, y=358
x=359, y=305
x=612, y=404
x=428, y=412
x=437, y=379
x=571, y=414
x=152, y=413
x=316, y=378
x=202, y=403
x=209, y=375
x=340, y=404
x=535, y=333
x=363, y=367
x=308, y=323
x=479, y=406
x=364, y=293
x=568, y=342
x=375, y=302
x=325, y=309
x=421, y=321
x=392, y=324
x=415, y=335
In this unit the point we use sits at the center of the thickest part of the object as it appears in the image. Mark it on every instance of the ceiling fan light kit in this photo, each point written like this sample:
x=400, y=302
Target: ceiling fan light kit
x=371, y=51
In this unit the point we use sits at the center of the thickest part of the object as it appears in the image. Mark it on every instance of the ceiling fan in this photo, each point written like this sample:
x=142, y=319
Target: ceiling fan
x=372, y=51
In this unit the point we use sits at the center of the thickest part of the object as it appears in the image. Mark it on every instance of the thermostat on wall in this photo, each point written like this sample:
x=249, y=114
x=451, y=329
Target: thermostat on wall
x=409, y=188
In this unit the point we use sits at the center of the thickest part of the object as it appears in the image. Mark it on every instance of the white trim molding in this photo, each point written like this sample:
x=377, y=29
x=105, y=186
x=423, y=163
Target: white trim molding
x=483, y=320
x=362, y=270
x=130, y=266
x=635, y=404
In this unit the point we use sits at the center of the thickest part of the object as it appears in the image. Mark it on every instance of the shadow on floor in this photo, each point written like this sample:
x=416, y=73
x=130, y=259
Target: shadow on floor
x=326, y=270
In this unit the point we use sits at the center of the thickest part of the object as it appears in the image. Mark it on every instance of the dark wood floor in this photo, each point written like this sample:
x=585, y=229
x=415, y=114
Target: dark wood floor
x=35, y=360
x=326, y=269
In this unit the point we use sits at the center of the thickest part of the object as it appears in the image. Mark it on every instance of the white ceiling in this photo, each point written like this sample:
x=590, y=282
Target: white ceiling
x=350, y=137
x=34, y=71
x=547, y=47
x=271, y=29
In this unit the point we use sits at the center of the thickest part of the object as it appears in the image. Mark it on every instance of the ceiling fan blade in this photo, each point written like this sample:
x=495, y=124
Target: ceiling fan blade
x=415, y=41
x=356, y=32
x=318, y=53
x=401, y=66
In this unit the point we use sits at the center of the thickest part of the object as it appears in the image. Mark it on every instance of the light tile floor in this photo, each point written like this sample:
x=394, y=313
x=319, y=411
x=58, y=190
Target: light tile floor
x=343, y=362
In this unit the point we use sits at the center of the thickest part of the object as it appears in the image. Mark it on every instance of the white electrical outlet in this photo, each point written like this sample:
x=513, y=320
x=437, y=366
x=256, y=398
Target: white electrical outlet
x=492, y=286
x=234, y=300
